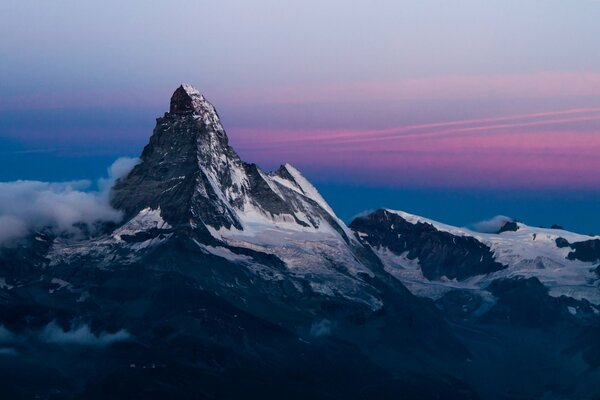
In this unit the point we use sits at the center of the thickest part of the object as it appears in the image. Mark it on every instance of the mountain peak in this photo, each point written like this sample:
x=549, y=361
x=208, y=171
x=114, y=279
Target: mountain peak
x=189, y=171
x=190, y=89
x=186, y=99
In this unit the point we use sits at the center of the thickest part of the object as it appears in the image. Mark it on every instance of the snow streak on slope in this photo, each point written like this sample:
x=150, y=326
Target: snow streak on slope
x=125, y=245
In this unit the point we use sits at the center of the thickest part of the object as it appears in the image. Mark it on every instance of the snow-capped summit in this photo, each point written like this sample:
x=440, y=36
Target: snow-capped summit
x=189, y=170
x=187, y=99
x=194, y=177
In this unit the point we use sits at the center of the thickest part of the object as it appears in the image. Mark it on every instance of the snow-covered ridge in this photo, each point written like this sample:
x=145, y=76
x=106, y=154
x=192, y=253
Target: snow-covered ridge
x=146, y=220
x=116, y=246
x=524, y=231
x=527, y=252
x=307, y=188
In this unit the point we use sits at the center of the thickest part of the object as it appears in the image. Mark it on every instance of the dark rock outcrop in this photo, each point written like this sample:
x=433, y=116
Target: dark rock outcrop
x=526, y=301
x=439, y=253
x=510, y=226
x=587, y=251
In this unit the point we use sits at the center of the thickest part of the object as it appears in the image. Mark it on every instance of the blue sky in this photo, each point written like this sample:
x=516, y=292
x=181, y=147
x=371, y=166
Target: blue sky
x=456, y=110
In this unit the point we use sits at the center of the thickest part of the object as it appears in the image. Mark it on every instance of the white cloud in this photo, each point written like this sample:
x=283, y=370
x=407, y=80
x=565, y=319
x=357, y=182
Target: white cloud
x=118, y=169
x=491, y=225
x=52, y=333
x=26, y=206
x=81, y=335
x=8, y=351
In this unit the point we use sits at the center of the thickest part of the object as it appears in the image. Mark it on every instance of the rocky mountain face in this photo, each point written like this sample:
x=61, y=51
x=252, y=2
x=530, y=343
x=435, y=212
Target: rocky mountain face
x=226, y=281
x=439, y=253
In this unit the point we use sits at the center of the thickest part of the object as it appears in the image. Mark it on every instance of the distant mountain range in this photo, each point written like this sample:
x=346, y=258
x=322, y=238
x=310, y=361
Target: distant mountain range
x=226, y=281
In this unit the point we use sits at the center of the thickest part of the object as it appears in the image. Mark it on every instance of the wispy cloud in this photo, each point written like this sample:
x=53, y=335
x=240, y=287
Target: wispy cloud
x=557, y=148
x=322, y=328
x=77, y=334
x=275, y=137
x=492, y=225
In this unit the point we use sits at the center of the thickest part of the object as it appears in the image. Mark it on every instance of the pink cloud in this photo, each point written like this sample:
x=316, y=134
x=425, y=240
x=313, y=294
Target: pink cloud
x=504, y=151
x=554, y=147
x=421, y=130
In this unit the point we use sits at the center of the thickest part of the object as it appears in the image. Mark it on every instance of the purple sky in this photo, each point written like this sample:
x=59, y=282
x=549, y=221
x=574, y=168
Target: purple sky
x=501, y=94
x=520, y=131
x=537, y=130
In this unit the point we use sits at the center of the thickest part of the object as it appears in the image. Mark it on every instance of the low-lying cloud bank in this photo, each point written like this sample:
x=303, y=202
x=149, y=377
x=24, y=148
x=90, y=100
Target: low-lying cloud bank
x=79, y=334
x=5, y=335
x=27, y=206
